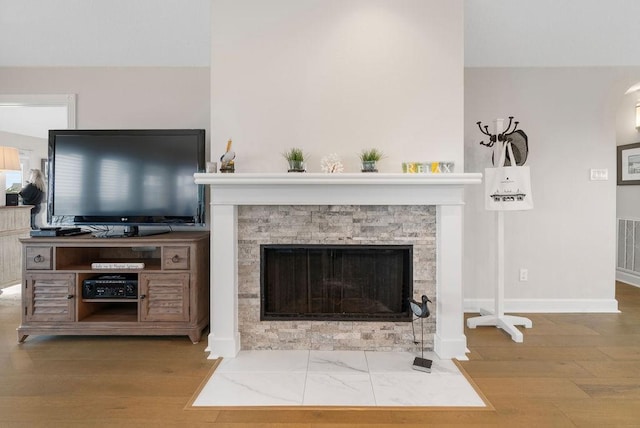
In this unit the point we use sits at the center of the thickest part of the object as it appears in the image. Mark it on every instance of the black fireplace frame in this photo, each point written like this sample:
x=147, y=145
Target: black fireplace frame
x=404, y=315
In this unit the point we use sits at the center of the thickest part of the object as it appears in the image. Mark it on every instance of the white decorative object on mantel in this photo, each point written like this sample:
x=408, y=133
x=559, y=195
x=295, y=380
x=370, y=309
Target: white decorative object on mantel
x=445, y=191
x=331, y=163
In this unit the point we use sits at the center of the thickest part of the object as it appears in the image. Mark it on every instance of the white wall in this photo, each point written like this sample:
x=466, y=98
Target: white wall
x=337, y=76
x=113, y=97
x=568, y=241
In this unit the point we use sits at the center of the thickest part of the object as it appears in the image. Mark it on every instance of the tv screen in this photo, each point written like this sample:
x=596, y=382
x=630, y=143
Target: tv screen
x=125, y=177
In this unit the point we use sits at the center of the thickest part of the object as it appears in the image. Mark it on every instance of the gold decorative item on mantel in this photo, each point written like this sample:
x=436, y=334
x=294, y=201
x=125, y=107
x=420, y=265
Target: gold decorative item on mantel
x=227, y=163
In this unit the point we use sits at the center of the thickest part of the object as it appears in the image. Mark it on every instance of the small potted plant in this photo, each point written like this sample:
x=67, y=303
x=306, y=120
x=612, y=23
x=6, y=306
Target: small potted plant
x=369, y=158
x=295, y=157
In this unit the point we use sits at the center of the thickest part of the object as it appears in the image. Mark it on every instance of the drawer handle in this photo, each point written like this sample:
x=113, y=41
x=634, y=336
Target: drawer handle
x=69, y=296
x=38, y=258
x=175, y=258
x=142, y=296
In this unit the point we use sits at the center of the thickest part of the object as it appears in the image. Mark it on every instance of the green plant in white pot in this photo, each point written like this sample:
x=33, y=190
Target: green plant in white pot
x=369, y=159
x=295, y=157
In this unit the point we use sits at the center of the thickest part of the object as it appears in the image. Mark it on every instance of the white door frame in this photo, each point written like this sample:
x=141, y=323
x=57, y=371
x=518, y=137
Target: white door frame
x=63, y=100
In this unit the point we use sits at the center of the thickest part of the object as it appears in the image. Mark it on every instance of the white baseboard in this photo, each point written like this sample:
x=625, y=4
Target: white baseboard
x=545, y=305
x=628, y=278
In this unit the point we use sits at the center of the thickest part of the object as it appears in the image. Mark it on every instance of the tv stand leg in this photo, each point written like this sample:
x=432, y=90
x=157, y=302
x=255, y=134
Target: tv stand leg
x=195, y=336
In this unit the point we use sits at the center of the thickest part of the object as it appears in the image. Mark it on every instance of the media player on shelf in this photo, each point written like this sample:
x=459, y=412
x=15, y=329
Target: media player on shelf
x=123, y=286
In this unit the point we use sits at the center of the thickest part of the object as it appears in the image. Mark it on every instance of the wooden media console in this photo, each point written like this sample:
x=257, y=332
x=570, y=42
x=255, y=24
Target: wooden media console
x=171, y=296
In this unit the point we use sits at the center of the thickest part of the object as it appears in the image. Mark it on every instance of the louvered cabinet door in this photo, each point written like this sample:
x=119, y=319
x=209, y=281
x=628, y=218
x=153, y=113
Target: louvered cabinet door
x=164, y=297
x=50, y=297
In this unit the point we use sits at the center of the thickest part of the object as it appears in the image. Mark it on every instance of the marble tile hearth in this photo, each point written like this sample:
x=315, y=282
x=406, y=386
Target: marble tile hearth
x=335, y=378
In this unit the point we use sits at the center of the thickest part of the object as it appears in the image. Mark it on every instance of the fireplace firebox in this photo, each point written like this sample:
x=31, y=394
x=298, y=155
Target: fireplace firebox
x=336, y=282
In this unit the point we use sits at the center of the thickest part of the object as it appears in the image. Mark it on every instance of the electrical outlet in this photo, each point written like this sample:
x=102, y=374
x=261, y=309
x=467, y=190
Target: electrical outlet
x=524, y=274
x=599, y=174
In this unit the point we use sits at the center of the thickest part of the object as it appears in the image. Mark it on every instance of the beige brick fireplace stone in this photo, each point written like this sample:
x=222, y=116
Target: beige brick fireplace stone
x=334, y=225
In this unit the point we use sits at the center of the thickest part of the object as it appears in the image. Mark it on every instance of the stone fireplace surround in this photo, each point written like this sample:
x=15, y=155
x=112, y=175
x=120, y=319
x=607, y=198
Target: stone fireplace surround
x=229, y=191
x=333, y=224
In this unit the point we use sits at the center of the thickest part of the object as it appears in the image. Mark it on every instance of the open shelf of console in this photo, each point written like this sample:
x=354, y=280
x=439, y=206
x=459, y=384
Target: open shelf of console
x=83, y=258
x=167, y=293
x=111, y=311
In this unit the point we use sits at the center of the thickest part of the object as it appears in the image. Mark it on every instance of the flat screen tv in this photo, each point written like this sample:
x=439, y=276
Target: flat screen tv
x=125, y=178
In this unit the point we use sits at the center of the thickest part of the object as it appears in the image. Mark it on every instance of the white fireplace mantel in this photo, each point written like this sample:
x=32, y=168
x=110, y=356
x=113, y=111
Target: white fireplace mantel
x=228, y=191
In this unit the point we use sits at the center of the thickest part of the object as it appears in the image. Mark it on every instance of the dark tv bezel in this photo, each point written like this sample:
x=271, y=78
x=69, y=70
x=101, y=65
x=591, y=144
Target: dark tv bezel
x=130, y=220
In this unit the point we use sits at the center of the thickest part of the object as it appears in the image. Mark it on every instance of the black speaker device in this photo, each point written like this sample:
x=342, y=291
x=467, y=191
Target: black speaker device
x=12, y=199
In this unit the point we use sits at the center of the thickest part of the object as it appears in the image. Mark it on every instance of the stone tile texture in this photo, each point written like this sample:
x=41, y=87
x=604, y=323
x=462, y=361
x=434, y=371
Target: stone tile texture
x=334, y=225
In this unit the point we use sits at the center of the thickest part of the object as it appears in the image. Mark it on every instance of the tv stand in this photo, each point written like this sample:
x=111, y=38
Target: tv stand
x=172, y=296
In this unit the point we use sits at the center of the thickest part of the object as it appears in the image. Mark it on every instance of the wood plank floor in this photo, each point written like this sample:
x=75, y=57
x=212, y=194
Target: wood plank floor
x=572, y=370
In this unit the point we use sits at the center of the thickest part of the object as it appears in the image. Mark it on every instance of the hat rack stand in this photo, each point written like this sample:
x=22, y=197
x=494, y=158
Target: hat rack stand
x=500, y=135
x=498, y=318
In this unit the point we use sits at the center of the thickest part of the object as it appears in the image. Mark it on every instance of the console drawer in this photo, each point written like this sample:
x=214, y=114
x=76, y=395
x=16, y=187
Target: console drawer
x=175, y=258
x=39, y=258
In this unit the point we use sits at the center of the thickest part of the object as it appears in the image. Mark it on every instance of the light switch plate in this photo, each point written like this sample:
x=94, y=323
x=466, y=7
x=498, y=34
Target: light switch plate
x=599, y=174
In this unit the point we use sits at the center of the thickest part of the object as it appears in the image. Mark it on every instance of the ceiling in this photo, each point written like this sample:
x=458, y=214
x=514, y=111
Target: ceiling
x=510, y=33
x=551, y=33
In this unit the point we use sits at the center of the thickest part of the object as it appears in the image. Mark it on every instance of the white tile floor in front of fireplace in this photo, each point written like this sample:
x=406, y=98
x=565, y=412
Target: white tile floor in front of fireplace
x=335, y=378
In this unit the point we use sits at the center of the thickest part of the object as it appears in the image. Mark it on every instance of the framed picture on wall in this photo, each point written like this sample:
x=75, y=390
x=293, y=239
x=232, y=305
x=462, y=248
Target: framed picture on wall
x=629, y=164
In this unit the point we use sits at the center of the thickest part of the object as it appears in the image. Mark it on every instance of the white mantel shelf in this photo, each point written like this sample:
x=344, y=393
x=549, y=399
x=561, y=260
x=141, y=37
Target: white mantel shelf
x=306, y=178
x=336, y=189
x=228, y=191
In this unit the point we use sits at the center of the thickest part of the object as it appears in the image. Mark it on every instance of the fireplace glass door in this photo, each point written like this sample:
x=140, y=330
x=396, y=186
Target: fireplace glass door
x=333, y=282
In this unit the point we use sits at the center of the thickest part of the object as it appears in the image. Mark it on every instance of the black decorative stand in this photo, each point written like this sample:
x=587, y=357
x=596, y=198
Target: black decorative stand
x=421, y=310
x=421, y=363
